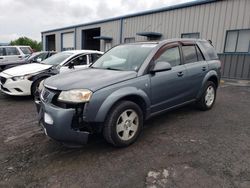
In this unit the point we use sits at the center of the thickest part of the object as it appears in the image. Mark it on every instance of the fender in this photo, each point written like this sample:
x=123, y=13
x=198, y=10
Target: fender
x=205, y=79
x=118, y=95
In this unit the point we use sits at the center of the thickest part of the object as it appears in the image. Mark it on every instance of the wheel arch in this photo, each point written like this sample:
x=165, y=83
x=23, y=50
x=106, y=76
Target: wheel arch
x=128, y=94
x=210, y=76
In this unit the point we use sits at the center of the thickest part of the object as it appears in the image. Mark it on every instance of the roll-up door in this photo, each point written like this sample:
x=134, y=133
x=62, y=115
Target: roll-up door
x=68, y=41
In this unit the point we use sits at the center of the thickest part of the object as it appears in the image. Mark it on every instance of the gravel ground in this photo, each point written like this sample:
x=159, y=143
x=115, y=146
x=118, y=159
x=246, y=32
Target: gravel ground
x=183, y=148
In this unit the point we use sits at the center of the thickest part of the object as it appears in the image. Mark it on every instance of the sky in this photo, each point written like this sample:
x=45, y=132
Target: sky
x=30, y=17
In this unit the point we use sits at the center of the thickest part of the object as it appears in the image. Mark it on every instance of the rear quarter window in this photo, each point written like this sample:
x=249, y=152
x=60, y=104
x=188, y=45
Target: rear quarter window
x=209, y=50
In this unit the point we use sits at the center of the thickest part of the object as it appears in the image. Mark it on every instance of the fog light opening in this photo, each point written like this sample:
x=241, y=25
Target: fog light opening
x=48, y=119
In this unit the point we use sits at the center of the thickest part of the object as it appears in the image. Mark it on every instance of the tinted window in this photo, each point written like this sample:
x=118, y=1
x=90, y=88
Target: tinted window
x=12, y=51
x=171, y=55
x=41, y=57
x=26, y=50
x=189, y=53
x=81, y=60
x=94, y=57
x=2, y=52
x=199, y=54
x=209, y=50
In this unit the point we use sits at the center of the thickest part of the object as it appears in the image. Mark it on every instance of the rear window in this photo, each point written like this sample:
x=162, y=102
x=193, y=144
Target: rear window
x=209, y=49
x=26, y=50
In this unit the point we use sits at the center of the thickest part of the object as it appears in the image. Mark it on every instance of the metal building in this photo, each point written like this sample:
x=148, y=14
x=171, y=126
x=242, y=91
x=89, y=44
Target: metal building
x=225, y=22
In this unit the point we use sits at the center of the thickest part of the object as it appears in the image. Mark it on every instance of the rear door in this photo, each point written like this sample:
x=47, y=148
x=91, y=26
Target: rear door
x=12, y=54
x=196, y=67
x=168, y=88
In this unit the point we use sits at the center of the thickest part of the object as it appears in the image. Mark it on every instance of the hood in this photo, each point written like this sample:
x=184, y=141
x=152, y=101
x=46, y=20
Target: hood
x=26, y=69
x=91, y=78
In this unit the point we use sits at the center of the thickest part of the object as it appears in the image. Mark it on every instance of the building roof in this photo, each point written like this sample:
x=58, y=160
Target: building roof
x=168, y=8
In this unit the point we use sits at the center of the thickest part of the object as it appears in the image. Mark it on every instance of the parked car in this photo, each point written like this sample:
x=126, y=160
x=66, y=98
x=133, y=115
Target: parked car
x=127, y=85
x=36, y=57
x=14, y=53
x=25, y=79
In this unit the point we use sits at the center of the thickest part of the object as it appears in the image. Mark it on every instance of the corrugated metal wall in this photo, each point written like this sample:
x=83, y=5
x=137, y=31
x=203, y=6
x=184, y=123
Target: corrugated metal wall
x=235, y=66
x=211, y=20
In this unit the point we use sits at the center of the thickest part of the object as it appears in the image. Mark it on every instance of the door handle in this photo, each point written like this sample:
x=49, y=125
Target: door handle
x=180, y=74
x=1, y=57
x=204, y=69
x=20, y=57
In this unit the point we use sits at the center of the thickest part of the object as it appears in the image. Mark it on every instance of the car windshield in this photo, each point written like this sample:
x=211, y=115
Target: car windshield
x=26, y=50
x=57, y=58
x=128, y=57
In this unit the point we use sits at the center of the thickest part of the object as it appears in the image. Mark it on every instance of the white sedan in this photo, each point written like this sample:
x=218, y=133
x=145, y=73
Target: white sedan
x=23, y=80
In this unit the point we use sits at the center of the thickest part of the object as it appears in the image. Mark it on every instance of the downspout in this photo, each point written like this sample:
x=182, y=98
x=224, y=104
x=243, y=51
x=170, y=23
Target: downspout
x=121, y=30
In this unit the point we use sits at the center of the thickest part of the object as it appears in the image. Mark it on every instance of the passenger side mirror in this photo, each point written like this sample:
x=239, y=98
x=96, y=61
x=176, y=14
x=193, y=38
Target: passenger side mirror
x=161, y=66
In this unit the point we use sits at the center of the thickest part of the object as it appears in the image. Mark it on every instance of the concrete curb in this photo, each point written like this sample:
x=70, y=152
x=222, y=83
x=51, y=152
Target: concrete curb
x=235, y=82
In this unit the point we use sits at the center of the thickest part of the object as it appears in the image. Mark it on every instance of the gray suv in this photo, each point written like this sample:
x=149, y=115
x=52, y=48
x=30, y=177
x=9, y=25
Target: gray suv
x=127, y=85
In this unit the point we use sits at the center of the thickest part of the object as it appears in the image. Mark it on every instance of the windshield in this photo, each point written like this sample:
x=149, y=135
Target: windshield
x=127, y=57
x=57, y=58
x=26, y=50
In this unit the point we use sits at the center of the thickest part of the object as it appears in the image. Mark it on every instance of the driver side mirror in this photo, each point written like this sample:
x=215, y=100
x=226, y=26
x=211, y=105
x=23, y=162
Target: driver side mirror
x=38, y=60
x=71, y=65
x=161, y=66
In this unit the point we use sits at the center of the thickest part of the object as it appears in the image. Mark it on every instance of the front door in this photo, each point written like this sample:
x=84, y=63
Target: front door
x=168, y=88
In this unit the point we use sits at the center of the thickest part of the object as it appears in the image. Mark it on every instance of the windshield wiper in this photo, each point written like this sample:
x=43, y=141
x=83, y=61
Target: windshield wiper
x=110, y=68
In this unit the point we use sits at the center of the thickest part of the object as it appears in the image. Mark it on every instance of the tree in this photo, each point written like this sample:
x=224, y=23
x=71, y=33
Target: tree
x=37, y=46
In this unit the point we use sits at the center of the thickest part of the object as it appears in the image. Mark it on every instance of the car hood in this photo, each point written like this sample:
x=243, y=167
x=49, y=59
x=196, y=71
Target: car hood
x=26, y=69
x=91, y=78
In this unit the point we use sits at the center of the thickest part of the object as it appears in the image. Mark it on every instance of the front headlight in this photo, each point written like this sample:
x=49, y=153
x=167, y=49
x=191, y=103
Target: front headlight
x=75, y=96
x=25, y=77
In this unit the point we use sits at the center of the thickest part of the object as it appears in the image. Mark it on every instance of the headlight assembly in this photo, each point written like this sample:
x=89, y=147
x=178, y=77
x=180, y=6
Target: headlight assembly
x=75, y=96
x=25, y=77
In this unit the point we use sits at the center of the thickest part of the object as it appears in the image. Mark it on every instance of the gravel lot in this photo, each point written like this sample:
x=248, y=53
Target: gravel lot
x=183, y=148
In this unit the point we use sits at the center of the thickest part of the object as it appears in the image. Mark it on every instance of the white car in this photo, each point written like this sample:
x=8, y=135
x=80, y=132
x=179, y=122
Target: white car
x=23, y=80
x=14, y=53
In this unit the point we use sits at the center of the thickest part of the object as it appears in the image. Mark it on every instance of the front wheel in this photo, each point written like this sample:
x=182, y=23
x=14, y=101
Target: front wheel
x=208, y=97
x=123, y=124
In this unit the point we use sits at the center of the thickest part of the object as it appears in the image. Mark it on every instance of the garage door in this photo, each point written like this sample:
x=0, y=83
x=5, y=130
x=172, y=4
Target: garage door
x=68, y=41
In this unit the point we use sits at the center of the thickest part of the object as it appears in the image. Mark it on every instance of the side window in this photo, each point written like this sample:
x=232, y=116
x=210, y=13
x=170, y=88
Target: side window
x=94, y=57
x=81, y=60
x=171, y=55
x=2, y=52
x=12, y=51
x=189, y=53
x=199, y=54
x=41, y=57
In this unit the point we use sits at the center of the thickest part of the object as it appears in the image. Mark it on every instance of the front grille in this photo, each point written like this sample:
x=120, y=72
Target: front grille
x=2, y=80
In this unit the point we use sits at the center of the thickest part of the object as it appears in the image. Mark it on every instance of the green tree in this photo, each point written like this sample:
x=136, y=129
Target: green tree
x=37, y=46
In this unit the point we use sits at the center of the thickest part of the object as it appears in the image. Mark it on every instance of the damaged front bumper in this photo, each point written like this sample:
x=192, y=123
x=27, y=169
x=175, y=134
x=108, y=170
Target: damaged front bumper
x=61, y=122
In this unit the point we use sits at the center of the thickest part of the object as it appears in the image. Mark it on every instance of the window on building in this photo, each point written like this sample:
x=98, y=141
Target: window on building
x=190, y=35
x=238, y=41
x=129, y=40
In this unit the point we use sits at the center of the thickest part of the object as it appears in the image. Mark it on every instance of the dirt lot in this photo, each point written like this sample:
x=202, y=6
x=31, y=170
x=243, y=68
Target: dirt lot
x=183, y=148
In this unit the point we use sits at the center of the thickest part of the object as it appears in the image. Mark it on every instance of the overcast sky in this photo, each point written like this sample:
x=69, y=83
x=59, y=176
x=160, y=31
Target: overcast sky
x=30, y=17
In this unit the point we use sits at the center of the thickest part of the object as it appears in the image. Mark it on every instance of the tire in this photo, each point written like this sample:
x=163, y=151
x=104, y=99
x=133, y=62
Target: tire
x=208, y=97
x=126, y=116
x=35, y=86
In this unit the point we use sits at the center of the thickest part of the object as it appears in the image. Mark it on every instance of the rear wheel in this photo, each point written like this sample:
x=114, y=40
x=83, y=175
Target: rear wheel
x=208, y=97
x=124, y=124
